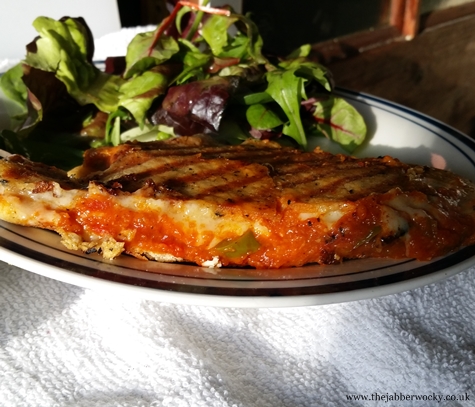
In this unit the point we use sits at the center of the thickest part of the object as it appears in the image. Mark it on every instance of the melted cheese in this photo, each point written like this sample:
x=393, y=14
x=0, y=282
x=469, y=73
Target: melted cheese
x=328, y=213
x=199, y=218
x=25, y=207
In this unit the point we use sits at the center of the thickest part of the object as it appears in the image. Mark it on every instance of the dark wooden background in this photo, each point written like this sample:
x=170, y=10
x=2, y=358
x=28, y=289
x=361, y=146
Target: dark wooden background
x=433, y=73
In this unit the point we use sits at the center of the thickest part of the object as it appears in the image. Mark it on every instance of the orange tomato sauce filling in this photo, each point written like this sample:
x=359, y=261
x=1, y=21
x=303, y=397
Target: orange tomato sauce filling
x=287, y=240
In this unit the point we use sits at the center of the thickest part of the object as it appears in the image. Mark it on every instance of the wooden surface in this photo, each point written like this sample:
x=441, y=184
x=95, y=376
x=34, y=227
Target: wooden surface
x=434, y=73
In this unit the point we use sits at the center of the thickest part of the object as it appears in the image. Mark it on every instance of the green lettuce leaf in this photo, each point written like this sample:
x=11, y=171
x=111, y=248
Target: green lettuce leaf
x=255, y=42
x=245, y=44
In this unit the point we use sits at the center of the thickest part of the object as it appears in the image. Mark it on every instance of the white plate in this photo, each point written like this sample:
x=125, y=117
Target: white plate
x=394, y=130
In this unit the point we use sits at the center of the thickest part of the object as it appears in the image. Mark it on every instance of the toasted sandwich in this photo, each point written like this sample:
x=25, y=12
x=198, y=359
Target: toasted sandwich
x=257, y=204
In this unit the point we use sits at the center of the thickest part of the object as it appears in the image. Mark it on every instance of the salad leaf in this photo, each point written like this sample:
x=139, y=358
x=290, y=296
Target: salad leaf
x=253, y=40
x=338, y=120
x=193, y=63
x=138, y=93
x=147, y=133
x=113, y=126
x=9, y=141
x=215, y=32
x=286, y=89
x=236, y=48
x=306, y=68
x=48, y=95
x=65, y=47
x=196, y=107
x=310, y=70
x=138, y=58
x=66, y=37
x=60, y=155
x=14, y=88
x=302, y=51
x=50, y=106
x=261, y=117
x=258, y=97
x=314, y=72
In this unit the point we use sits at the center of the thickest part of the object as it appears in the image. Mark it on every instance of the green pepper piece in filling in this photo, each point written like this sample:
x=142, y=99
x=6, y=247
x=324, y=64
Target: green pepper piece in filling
x=371, y=235
x=238, y=246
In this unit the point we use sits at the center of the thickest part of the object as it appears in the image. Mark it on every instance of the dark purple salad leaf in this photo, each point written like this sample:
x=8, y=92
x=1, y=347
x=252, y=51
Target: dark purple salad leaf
x=115, y=65
x=196, y=106
x=49, y=100
x=56, y=120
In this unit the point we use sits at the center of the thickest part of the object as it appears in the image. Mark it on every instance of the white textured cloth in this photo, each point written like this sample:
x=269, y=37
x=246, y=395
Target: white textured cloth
x=61, y=345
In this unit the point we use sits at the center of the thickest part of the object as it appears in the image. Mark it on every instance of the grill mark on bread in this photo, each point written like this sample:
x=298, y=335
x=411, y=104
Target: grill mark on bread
x=200, y=171
x=191, y=175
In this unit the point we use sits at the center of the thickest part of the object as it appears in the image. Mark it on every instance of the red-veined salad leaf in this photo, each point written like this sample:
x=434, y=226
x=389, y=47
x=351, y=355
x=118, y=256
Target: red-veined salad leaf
x=261, y=117
x=339, y=121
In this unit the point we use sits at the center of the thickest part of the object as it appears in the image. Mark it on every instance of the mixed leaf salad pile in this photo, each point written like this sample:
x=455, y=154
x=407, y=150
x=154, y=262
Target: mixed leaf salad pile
x=201, y=71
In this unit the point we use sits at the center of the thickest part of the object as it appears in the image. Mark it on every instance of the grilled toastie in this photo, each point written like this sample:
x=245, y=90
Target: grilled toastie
x=256, y=204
